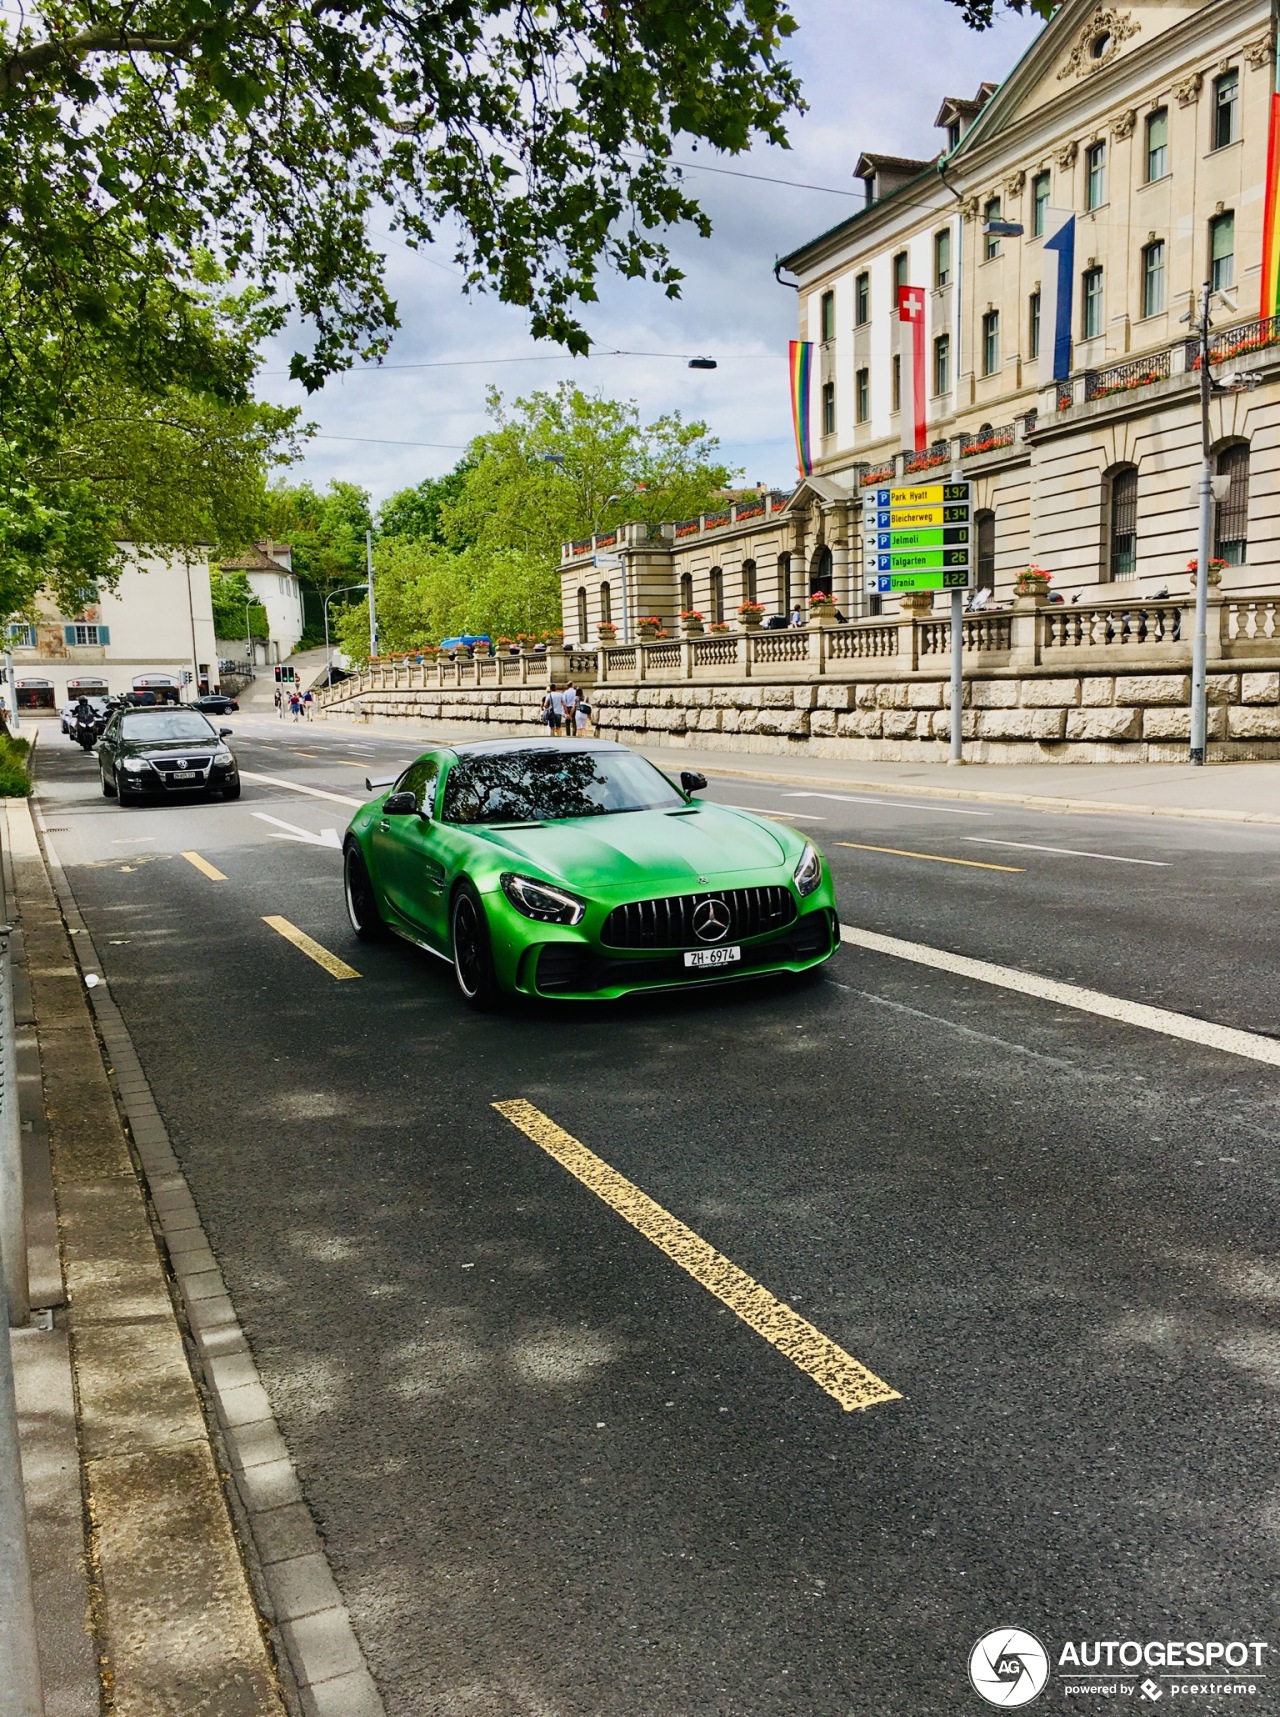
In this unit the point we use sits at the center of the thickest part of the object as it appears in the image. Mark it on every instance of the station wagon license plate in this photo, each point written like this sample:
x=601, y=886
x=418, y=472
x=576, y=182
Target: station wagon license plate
x=713, y=957
x=185, y=775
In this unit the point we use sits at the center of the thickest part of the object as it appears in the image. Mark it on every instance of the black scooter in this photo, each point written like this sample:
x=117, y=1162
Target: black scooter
x=86, y=731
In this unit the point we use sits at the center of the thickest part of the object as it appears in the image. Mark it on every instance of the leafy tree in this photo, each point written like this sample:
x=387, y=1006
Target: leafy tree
x=233, y=604
x=134, y=134
x=419, y=512
x=981, y=14
x=561, y=465
x=326, y=531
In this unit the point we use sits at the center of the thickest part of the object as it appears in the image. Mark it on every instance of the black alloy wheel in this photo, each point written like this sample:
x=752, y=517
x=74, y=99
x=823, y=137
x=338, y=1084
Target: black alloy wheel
x=472, y=954
x=108, y=787
x=362, y=902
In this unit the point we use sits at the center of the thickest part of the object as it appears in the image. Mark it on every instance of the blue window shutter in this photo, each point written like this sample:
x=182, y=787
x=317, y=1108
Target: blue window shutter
x=69, y=634
x=104, y=634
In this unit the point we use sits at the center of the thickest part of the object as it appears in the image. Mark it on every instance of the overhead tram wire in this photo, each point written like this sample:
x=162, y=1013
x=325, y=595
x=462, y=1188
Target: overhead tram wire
x=535, y=358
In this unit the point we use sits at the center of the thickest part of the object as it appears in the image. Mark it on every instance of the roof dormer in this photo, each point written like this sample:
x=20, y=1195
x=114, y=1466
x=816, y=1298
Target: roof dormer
x=957, y=114
x=883, y=174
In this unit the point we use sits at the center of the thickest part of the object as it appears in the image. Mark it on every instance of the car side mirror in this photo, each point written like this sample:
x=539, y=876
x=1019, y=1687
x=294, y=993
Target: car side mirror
x=400, y=805
x=691, y=781
x=224, y=733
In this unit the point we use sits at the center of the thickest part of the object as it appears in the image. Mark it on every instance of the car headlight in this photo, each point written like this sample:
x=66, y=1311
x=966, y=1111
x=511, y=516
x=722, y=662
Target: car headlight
x=541, y=901
x=134, y=765
x=223, y=758
x=808, y=873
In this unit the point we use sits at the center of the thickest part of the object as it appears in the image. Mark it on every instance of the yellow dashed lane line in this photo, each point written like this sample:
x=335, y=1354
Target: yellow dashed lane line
x=313, y=950
x=204, y=867
x=843, y=1377
x=934, y=858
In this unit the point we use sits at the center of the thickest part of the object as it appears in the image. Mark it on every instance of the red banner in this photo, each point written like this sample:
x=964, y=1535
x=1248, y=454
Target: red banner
x=911, y=310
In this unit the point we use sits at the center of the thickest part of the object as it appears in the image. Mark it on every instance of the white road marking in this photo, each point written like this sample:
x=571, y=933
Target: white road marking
x=1067, y=852
x=1231, y=1041
x=326, y=837
x=897, y=804
x=297, y=787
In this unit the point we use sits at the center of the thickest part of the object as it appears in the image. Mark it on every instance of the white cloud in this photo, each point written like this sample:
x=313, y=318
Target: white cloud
x=874, y=74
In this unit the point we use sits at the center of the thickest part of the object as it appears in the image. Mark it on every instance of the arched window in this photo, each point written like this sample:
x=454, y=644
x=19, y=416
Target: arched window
x=1231, y=529
x=984, y=525
x=606, y=601
x=717, y=593
x=748, y=581
x=686, y=592
x=821, y=576
x=582, y=614
x=1121, y=498
x=784, y=584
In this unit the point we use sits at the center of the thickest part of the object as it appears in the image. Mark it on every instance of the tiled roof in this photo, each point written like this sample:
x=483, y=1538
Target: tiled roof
x=255, y=560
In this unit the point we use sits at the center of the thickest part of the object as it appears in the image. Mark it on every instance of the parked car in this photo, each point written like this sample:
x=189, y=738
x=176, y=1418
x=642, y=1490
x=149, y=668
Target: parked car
x=214, y=703
x=165, y=752
x=581, y=871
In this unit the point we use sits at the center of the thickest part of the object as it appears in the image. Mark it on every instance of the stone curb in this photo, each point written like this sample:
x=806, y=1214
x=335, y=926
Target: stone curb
x=311, y=1629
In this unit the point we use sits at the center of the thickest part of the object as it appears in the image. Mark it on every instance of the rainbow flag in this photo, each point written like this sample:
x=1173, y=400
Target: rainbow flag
x=1271, y=224
x=801, y=377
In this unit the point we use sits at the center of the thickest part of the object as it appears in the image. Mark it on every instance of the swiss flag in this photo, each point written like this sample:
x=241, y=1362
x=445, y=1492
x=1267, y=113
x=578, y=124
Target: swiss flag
x=911, y=301
x=911, y=304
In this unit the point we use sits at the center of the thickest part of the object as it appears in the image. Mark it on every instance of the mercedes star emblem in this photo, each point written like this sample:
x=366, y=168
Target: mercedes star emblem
x=711, y=920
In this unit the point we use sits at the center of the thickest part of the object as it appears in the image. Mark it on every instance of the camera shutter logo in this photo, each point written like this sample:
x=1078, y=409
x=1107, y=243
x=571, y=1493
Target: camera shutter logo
x=1008, y=1667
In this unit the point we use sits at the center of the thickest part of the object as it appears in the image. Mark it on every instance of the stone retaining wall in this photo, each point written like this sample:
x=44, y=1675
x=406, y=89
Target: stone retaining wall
x=1007, y=719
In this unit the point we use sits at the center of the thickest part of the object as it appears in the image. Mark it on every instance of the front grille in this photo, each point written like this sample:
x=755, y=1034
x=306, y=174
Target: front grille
x=570, y=969
x=168, y=766
x=668, y=922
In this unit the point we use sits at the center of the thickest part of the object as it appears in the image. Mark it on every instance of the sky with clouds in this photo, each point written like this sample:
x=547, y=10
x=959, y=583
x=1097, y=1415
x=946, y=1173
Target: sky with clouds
x=874, y=74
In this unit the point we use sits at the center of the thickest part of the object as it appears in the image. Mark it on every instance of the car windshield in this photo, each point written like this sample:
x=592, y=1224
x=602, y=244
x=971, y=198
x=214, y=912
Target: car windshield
x=169, y=724
x=542, y=786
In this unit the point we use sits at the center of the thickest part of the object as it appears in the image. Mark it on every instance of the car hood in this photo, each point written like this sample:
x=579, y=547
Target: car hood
x=639, y=848
x=165, y=747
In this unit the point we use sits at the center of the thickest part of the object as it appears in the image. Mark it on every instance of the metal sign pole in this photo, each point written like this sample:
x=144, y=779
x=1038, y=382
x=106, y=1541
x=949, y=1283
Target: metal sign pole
x=13, y=1226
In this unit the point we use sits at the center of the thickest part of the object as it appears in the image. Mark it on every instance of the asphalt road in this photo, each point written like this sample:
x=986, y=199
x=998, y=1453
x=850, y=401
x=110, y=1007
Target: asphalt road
x=556, y=1477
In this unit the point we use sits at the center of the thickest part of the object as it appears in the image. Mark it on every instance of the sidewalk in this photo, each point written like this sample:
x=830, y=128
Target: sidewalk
x=1219, y=792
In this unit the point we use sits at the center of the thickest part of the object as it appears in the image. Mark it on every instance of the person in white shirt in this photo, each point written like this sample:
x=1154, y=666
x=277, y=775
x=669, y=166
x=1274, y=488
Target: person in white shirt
x=570, y=703
x=555, y=703
x=797, y=618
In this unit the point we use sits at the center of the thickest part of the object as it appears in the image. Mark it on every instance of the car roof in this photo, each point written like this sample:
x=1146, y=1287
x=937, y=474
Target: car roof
x=495, y=747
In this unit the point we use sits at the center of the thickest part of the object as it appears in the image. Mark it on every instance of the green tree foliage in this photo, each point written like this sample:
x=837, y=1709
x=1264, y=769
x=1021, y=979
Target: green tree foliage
x=981, y=14
x=278, y=134
x=233, y=604
x=607, y=469
x=419, y=512
x=325, y=530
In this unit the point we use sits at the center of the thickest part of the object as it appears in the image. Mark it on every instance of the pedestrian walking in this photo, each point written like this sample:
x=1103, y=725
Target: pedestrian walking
x=279, y=711
x=570, y=703
x=295, y=705
x=582, y=718
x=797, y=618
x=308, y=702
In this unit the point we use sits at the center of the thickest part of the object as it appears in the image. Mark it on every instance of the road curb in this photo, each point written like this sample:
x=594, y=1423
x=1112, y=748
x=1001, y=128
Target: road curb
x=284, y=1574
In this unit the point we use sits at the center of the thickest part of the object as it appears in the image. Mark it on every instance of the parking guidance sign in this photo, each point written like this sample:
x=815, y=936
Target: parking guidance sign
x=918, y=536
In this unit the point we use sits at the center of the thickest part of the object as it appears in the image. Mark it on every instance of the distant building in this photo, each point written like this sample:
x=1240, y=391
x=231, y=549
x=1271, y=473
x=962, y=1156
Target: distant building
x=269, y=569
x=154, y=632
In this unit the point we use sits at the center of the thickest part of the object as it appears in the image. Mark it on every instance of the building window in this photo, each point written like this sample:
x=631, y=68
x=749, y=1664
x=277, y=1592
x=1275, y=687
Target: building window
x=942, y=258
x=1039, y=203
x=784, y=584
x=1231, y=530
x=22, y=637
x=1095, y=163
x=991, y=342
x=942, y=364
x=953, y=135
x=1222, y=251
x=862, y=300
x=828, y=408
x=1153, y=301
x=686, y=592
x=1226, y=109
x=990, y=243
x=895, y=393
x=985, y=528
x=821, y=577
x=1157, y=144
x=828, y=315
x=1091, y=304
x=1122, y=522
x=900, y=273
x=1033, y=325
x=748, y=581
x=582, y=614
x=862, y=395
x=717, y=594
x=81, y=634
x=606, y=601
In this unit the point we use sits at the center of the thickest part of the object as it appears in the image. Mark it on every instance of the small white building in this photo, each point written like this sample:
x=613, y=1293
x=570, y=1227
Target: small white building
x=269, y=569
x=153, y=632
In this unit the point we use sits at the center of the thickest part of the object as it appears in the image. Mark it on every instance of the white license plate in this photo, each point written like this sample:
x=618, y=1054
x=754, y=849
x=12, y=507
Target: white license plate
x=713, y=957
x=185, y=775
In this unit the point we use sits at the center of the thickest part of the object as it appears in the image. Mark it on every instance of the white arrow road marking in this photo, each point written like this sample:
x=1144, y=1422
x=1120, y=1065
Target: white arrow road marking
x=326, y=837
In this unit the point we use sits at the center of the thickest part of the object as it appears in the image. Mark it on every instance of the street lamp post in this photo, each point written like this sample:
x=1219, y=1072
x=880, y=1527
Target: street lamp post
x=345, y=590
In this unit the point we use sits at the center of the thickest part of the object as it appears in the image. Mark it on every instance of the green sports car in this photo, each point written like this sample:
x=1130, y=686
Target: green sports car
x=579, y=870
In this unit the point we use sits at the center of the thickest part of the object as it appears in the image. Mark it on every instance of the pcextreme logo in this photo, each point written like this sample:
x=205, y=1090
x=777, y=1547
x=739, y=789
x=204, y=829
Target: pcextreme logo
x=1009, y=1667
